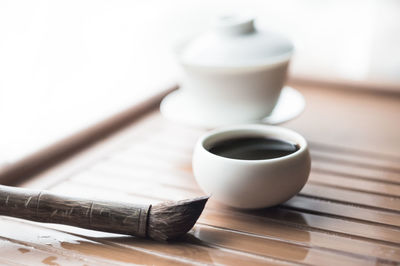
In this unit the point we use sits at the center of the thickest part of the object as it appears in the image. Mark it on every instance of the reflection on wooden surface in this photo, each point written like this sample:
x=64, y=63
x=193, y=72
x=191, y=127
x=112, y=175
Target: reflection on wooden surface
x=347, y=214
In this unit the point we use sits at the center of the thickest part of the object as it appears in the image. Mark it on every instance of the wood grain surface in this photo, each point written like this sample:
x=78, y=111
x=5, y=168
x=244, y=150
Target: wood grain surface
x=347, y=214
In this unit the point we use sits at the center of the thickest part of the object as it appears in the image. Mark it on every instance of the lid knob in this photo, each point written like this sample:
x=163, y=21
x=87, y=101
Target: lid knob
x=233, y=24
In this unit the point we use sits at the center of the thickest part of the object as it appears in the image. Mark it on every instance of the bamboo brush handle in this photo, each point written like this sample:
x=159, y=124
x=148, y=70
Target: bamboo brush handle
x=43, y=206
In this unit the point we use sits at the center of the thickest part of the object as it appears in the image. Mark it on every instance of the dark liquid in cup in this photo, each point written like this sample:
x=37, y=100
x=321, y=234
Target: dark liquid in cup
x=253, y=148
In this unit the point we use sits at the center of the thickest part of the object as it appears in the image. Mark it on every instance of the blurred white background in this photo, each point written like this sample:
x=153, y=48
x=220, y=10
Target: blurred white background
x=66, y=64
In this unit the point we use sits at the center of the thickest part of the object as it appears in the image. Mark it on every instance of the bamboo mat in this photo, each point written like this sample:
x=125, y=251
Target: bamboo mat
x=347, y=214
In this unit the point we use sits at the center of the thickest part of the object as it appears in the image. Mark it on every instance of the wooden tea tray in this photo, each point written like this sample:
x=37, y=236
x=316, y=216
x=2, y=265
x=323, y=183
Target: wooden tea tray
x=347, y=214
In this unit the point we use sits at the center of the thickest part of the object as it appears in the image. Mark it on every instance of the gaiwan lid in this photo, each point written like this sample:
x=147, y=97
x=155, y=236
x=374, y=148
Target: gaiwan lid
x=236, y=42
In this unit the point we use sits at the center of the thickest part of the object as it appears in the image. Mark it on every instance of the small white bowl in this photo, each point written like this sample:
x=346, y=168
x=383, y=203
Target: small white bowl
x=251, y=184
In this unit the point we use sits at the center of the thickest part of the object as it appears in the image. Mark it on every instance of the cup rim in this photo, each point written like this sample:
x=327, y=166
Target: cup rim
x=257, y=130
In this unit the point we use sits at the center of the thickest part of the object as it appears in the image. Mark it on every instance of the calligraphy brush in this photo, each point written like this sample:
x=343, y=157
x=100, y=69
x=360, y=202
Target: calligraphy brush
x=165, y=221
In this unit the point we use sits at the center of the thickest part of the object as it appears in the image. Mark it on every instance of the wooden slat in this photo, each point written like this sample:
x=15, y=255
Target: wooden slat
x=352, y=197
x=356, y=172
x=367, y=186
x=26, y=255
x=343, y=155
x=343, y=211
x=27, y=248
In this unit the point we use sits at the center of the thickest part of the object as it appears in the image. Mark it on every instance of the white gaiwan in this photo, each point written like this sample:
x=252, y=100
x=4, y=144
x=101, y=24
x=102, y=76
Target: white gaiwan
x=233, y=74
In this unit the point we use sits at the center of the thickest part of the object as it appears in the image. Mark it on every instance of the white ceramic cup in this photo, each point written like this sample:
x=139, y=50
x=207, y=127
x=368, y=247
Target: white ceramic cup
x=235, y=71
x=251, y=184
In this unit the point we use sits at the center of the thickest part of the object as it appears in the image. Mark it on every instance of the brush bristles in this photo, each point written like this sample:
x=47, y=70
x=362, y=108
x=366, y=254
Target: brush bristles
x=171, y=220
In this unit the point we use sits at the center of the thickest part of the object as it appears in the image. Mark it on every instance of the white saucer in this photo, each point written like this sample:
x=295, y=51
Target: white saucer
x=177, y=107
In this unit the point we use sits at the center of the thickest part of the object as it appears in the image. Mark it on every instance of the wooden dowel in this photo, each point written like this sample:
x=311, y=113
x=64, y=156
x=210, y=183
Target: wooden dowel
x=43, y=206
